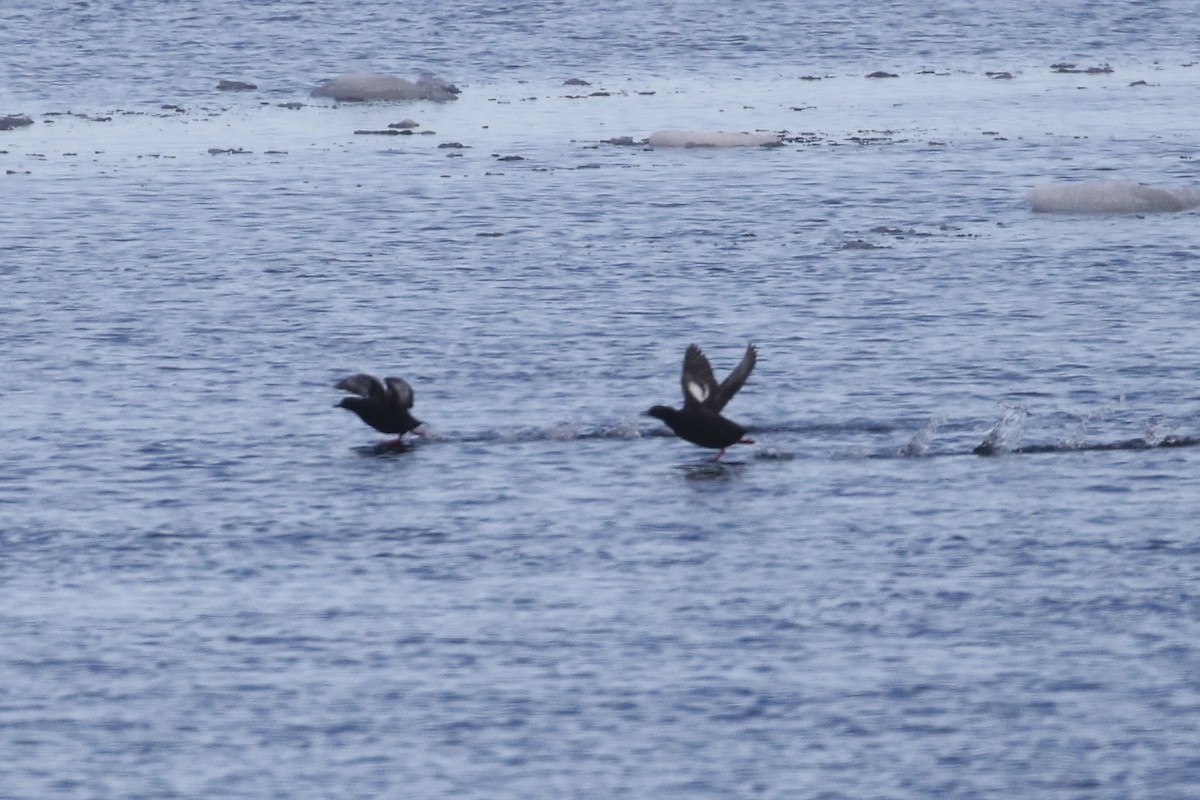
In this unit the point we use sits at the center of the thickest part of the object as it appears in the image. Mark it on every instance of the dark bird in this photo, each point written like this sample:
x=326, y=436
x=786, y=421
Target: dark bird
x=383, y=408
x=700, y=421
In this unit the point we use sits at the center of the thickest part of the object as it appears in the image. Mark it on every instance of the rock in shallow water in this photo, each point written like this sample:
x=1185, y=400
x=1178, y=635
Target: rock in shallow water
x=10, y=121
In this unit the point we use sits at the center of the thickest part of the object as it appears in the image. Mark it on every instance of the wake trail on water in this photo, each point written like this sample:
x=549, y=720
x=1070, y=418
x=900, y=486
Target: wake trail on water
x=1003, y=437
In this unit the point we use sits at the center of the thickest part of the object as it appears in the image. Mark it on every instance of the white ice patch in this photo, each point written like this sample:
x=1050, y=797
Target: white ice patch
x=1111, y=197
x=711, y=139
x=367, y=86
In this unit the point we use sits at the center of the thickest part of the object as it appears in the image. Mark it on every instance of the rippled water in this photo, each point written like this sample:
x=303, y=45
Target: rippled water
x=213, y=588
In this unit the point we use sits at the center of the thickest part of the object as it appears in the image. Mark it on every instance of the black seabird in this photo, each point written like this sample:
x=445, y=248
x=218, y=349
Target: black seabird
x=384, y=409
x=700, y=421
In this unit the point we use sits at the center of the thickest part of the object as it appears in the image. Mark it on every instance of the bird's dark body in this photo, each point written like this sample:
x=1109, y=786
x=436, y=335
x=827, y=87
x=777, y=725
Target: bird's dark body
x=384, y=408
x=700, y=421
x=382, y=418
x=700, y=427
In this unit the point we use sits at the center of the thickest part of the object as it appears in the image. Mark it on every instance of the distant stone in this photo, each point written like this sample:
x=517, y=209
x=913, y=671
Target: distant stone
x=881, y=74
x=405, y=124
x=236, y=86
x=364, y=87
x=7, y=123
x=575, y=82
x=999, y=76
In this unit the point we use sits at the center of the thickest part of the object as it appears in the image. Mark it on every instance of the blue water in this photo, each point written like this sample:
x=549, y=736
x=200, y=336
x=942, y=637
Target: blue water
x=210, y=586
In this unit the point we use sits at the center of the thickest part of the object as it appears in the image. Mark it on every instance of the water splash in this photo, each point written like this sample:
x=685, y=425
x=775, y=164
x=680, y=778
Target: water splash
x=773, y=454
x=1078, y=438
x=919, y=444
x=1005, y=432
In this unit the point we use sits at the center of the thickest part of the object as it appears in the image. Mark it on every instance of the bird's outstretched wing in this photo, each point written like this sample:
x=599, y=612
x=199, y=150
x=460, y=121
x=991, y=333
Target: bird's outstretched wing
x=363, y=385
x=699, y=385
x=730, y=386
x=399, y=392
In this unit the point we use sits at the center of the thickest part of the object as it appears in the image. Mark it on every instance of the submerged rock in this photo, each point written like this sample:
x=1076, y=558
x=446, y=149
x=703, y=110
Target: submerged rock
x=365, y=87
x=236, y=86
x=10, y=121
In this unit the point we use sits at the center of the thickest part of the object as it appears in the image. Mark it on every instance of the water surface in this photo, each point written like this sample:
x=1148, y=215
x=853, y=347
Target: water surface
x=211, y=587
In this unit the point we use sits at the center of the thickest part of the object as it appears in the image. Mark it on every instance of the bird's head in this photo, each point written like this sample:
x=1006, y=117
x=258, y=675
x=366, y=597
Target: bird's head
x=660, y=412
